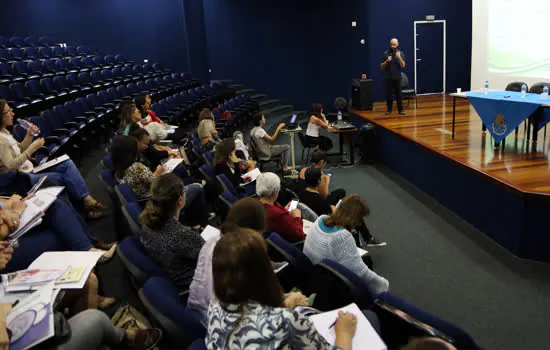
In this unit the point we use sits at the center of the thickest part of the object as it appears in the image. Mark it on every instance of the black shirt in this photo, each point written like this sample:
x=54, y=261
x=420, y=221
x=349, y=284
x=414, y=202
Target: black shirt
x=315, y=202
x=233, y=176
x=393, y=68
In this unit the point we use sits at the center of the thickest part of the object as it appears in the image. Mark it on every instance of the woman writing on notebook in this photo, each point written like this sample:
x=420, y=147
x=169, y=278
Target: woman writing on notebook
x=227, y=163
x=315, y=123
x=15, y=156
x=249, y=307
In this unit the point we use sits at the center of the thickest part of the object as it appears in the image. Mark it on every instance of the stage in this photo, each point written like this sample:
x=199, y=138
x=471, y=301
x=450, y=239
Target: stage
x=504, y=192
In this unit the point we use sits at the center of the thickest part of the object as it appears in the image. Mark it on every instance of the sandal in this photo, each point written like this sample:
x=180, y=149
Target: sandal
x=96, y=205
x=104, y=246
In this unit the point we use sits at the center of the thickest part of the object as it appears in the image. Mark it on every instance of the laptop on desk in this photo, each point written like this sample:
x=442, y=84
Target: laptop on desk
x=342, y=125
x=292, y=125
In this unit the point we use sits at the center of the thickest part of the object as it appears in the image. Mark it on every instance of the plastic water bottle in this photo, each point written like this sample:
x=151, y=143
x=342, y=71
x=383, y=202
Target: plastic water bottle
x=26, y=125
x=486, y=89
x=523, y=90
x=544, y=95
x=339, y=117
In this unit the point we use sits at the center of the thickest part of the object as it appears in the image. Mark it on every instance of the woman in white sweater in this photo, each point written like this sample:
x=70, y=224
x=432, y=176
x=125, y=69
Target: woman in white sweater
x=330, y=238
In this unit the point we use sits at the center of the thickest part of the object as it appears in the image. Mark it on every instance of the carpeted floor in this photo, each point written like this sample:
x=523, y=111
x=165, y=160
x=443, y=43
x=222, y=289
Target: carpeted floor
x=433, y=259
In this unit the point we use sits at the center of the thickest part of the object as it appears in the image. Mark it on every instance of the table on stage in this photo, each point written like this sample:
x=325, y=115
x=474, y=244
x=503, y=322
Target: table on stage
x=503, y=111
x=291, y=133
x=332, y=129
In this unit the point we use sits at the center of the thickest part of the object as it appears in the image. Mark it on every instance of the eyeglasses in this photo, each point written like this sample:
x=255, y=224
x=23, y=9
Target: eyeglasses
x=8, y=111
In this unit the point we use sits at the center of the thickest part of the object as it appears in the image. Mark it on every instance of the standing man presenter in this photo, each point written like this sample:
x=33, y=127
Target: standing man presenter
x=393, y=62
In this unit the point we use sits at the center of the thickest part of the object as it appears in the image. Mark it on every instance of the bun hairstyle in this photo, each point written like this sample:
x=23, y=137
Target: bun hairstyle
x=165, y=192
x=313, y=177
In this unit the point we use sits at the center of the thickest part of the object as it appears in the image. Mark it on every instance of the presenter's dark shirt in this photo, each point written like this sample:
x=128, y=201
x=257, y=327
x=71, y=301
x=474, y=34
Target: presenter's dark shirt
x=393, y=69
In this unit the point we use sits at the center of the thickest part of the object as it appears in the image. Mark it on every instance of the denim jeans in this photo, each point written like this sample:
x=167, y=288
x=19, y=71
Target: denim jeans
x=66, y=174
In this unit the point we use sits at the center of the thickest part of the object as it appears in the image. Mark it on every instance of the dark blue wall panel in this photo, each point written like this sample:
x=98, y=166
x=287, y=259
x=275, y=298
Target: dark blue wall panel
x=138, y=29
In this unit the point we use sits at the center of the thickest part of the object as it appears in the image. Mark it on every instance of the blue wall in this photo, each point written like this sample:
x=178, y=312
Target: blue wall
x=298, y=51
x=305, y=51
x=138, y=29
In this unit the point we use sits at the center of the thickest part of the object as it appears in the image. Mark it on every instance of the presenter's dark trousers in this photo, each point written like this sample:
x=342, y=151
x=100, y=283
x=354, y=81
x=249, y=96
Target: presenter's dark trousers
x=393, y=86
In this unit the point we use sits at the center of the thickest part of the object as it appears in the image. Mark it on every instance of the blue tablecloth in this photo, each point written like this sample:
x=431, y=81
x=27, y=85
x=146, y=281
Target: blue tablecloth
x=503, y=111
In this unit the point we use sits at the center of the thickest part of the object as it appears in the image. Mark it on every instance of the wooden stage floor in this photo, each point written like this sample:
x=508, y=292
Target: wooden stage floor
x=521, y=165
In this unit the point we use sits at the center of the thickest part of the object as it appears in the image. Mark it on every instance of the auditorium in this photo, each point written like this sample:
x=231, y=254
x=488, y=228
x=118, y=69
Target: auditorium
x=274, y=174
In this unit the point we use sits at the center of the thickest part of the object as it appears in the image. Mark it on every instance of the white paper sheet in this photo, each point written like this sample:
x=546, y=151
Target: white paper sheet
x=210, y=232
x=253, y=174
x=365, y=336
x=171, y=164
x=50, y=163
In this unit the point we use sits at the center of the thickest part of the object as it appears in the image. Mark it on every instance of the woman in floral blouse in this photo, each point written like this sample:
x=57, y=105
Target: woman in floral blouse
x=249, y=310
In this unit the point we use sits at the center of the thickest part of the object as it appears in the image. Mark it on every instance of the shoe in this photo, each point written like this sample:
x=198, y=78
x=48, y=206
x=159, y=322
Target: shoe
x=402, y=113
x=387, y=113
x=104, y=246
x=104, y=302
x=373, y=242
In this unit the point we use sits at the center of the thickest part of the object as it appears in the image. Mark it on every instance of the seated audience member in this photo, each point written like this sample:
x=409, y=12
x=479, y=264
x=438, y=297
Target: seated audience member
x=249, y=308
x=172, y=245
x=241, y=149
x=206, y=114
x=311, y=197
x=129, y=118
x=428, y=343
x=314, y=125
x=245, y=213
x=15, y=156
x=330, y=238
x=92, y=329
x=128, y=170
x=143, y=103
x=60, y=229
x=148, y=154
x=227, y=163
x=263, y=141
x=319, y=160
x=207, y=134
x=287, y=224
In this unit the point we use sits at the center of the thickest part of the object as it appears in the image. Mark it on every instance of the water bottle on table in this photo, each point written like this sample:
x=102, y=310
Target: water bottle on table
x=544, y=95
x=523, y=90
x=339, y=117
x=486, y=88
x=25, y=124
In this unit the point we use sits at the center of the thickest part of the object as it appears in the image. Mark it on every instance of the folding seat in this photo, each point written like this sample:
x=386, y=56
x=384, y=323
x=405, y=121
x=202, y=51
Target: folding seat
x=137, y=262
x=51, y=87
x=106, y=100
x=110, y=60
x=16, y=54
x=4, y=55
x=95, y=80
x=120, y=59
x=137, y=72
x=98, y=62
x=86, y=64
x=52, y=141
x=142, y=87
x=61, y=66
x=31, y=41
x=17, y=41
x=48, y=68
x=45, y=41
x=6, y=75
x=74, y=65
x=56, y=126
x=30, y=53
x=71, y=51
x=132, y=89
x=22, y=93
x=181, y=326
x=65, y=113
x=74, y=80
x=44, y=52
x=34, y=70
x=58, y=51
x=64, y=85
x=3, y=41
x=126, y=74
x=35, y=89
x=106, y=77
x=83, y=50
x=95, y=104
x=5, y=93
x=117, y=75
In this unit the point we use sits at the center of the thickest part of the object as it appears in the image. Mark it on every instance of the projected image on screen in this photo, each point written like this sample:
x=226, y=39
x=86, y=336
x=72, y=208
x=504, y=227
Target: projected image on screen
x=518, y=38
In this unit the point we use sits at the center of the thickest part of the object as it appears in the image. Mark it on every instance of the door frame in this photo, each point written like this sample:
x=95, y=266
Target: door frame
x=415, y=23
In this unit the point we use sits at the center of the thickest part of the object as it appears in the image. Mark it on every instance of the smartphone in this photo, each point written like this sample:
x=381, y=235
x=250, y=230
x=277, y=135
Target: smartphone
x=329, y=174
x=293, y=205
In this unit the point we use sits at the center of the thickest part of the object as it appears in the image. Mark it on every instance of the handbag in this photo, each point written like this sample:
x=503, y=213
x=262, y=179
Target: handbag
x=128, y=318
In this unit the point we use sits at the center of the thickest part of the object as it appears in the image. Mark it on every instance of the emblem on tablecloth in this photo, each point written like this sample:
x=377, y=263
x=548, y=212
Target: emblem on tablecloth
x=499, y=125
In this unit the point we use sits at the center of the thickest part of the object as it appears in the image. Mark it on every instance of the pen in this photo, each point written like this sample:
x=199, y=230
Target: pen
x=333, y=324
x=17, y=302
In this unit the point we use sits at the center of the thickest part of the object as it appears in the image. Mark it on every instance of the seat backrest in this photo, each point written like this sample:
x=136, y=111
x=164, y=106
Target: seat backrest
x=226, y=184
x=140, y=265
x=516, y=86
x=404, y=81
x=302, y=268
x=124, y=192
x=208, y=173
x=337, y=286
x=307, y=212
x=181, y=326
x=109, y=181
x=395, y=327
x=537, y=87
